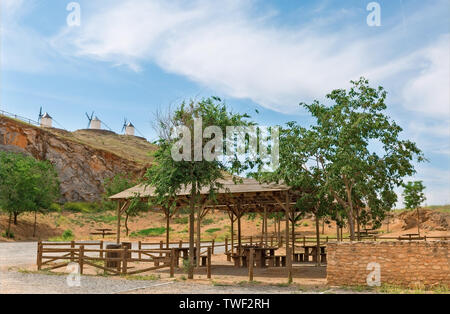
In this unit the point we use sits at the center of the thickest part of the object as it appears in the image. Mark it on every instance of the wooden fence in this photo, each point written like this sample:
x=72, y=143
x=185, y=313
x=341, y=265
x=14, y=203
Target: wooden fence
x=113, y=261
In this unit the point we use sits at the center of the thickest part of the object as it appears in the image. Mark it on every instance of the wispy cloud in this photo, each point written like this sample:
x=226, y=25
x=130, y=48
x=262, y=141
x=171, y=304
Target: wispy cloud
x=225, y=47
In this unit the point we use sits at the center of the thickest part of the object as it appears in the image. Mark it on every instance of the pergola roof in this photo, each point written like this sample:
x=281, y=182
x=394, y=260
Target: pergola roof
x=249, y=193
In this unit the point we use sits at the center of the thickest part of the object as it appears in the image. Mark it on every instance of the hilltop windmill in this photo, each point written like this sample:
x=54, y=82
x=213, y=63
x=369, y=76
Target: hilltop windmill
x=45, y=119
x=128, y=127
x=94, y=122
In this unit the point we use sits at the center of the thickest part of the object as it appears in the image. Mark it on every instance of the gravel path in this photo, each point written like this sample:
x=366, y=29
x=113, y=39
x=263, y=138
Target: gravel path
x=18, y=255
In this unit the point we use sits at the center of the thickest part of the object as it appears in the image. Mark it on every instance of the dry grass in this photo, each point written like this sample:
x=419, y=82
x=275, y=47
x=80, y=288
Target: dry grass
x=132, y=148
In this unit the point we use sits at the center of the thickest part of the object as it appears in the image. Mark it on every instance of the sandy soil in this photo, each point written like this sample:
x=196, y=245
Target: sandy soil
x=52, y=225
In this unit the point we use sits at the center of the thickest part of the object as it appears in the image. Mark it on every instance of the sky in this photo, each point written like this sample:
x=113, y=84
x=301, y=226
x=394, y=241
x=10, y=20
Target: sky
x=131, y=58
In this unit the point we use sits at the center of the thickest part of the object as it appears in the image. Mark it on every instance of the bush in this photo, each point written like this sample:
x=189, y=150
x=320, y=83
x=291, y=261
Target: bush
x=151, y=232
x=81, y=207
x=9, y=235
x=213, y=230
x=208, y=221
x=67, y=235
x=55, y=208
x=181, y=220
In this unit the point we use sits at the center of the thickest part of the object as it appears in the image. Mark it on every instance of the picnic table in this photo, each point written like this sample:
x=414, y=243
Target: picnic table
x=311, y=250
x=261, y=254
x=410, y=236
x=103, y=232
x=183, y=252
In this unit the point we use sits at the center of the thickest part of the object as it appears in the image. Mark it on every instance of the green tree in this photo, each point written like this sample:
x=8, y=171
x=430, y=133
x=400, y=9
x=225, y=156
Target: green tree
x=26, y=184
x=358, y=149
x=413, y=197
x=168, y=176
x=116, y=184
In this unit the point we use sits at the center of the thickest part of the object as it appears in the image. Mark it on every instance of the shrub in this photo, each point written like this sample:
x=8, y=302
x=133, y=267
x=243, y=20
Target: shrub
x=9, y=235
x=151, y=232
x=81, y=207
x=181, y=220
x=208, y=221
x=67, y=235
x=54, y=207
x=212, y=230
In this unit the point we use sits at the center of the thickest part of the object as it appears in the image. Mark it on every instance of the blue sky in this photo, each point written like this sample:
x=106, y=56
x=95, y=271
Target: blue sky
x=129, y=58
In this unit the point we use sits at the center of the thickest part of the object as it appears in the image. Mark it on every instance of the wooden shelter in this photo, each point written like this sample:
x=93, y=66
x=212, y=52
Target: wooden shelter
x=248, y=196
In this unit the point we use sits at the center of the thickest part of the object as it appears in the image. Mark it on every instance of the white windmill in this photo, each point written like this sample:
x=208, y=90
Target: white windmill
x=45, y=120
x=94, y=123
x=128, y=127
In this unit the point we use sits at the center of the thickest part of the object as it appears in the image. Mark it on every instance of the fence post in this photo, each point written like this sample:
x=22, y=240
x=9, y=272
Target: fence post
x=251, y=240
x=161, y=246
x=101, y=249
x=180, y=244
x=172, y=263
x=72, y=253
x=140, y=248
x=212, y=247
x=39, y=256
x=304, y=241
x=208, y=263
x=81, y=258
x=124, y=259
x=250, y=265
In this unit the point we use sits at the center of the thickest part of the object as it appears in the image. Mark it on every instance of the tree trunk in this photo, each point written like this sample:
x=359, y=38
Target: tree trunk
x=8, y=231
x=358, y=225
x=317, y=240
x=35, y=222
x=15, y=218
x=293, y=235
x=198, y=243
x=167, y=228
x=323, y=226
x=239, y=233
x=337, y=231
x=191, y=234
x=350, y=211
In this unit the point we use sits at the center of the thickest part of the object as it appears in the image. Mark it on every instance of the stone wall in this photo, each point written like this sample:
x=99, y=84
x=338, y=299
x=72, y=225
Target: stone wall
x=403, y=263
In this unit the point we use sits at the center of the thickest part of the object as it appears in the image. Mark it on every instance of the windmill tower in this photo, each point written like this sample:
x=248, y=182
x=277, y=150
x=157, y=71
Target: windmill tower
x=128, y=127
x=94, y=123
x=45, y=120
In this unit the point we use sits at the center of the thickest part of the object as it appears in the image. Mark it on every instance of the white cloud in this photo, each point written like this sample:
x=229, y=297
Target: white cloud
x=429, y=91
x=224, y=47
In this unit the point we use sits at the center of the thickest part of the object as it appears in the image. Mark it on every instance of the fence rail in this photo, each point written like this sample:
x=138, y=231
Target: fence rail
x=114, y=261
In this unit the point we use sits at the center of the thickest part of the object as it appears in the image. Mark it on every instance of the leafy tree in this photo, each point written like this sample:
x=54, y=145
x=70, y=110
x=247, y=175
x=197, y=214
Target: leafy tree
x=168, y=176
x=116, y=184
x=26, y=184
x=358, y=148
x=413, y=197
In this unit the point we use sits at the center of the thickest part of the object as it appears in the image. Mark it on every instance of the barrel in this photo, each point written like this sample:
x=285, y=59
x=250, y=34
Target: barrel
x=109, y=255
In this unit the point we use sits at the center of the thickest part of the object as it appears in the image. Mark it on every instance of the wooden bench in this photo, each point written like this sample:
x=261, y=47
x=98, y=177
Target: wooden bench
x=239, y=260
x=299, y=257
x=280, y=261
x=159, y=259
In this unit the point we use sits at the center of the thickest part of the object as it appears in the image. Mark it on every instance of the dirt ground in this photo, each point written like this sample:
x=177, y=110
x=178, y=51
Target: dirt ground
x=216, y=226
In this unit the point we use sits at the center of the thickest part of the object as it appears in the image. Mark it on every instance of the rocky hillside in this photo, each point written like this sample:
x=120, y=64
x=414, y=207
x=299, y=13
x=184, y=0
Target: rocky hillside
x=83, y=159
